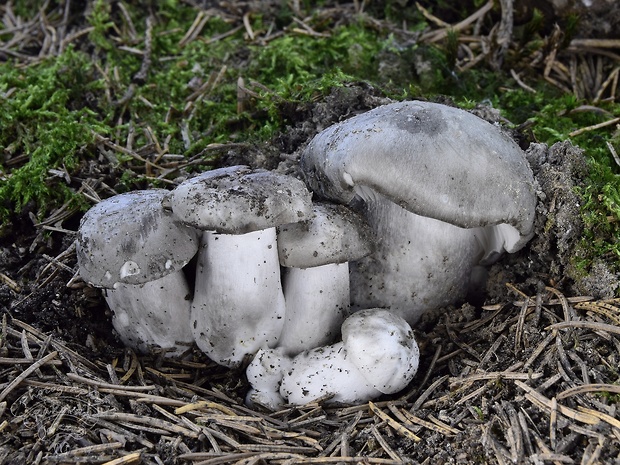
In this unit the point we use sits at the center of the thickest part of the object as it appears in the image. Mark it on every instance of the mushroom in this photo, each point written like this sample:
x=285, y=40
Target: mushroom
x=238, y=304
x=442, y=189
x=134, y=249
x=378, y=355
x=316, y=253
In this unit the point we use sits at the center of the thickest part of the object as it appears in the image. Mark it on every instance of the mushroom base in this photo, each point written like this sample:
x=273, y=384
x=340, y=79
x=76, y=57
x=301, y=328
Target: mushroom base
x=154, y=314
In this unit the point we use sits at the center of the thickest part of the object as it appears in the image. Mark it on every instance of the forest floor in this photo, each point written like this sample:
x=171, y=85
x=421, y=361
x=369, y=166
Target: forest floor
x=529, y=375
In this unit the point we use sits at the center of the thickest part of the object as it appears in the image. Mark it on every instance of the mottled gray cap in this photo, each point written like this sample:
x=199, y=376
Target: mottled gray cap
x=431, y=159
x=131, y=239
x=334, y=234
x=238, y=200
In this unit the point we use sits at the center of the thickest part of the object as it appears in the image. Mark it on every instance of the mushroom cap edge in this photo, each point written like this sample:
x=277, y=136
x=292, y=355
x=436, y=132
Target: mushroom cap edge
x=238, y=200
x=420, y=155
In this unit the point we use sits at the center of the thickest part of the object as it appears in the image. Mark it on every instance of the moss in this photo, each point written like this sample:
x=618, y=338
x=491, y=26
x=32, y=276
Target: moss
x=101, y=21
x=47, y=123
x=59, y=104
x=553, y=117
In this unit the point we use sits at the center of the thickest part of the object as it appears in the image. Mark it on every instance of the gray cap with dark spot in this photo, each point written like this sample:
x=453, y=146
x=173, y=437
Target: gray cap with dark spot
x=431, y=159
x=131, y=239
x=238, y=200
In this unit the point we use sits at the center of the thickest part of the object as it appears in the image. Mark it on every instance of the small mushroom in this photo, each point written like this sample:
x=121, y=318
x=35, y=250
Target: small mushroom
x=316, y=253
x=442, y=189
x=378, y=355
x=238, y=304
x=134, y=249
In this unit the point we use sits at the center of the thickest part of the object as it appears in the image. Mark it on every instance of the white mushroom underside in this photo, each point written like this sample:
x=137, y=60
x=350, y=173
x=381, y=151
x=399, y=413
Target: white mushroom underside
x=317, y=302
x=419, y=263
x=238, y=304
x=152, y=314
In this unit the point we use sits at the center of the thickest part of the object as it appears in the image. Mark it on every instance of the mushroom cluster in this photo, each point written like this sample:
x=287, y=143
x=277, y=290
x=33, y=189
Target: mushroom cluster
x=135, y=250
x=238, y=304
x=315, y=256
x=412, y=199
x=377, y=355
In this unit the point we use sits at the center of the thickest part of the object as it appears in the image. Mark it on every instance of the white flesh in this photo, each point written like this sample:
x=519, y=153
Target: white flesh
x=152, y=314
x=325, y=371
x=238, y=304
x=265, y=375
x=419, y=263
x=317, y=302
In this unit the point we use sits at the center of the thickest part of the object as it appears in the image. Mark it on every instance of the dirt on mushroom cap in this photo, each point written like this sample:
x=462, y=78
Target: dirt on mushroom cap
x=238, y=200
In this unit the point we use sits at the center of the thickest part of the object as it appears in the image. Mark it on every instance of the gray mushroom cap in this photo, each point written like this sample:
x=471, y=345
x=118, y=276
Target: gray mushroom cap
x=238, y=200
x=334, y=234
x=431, y=159
x=131, y=239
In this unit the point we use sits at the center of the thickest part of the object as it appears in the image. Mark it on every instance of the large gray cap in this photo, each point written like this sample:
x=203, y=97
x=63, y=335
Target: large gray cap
x=131, y=239
x=431, y=159
x=238, y=200
x=334, y=234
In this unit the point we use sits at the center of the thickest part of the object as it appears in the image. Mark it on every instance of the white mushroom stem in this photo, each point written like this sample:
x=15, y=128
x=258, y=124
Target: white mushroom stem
x=326, y=371
x=419, y=263
x=238, y=304
x=156, y=313
x=317, y=302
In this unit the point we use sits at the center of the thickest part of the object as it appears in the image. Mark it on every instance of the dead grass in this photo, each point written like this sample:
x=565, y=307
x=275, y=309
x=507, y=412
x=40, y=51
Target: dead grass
x=527, y=381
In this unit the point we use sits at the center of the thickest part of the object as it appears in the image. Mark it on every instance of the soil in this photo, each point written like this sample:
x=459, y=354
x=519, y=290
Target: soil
x=496, y=383
x=456, y=343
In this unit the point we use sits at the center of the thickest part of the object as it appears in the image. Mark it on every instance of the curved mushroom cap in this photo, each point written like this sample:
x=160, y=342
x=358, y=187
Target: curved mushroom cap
x=382, y=347
x=131, y=239
x=334, y=234
x=238, y=200
x=431, y=159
